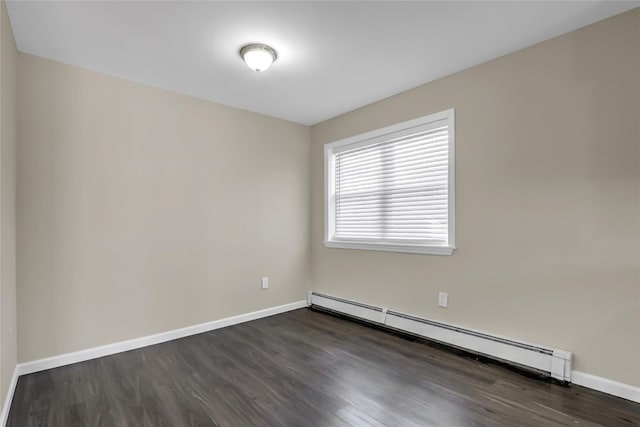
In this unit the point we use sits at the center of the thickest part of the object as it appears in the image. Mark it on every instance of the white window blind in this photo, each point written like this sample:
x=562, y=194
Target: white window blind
x=392, y=188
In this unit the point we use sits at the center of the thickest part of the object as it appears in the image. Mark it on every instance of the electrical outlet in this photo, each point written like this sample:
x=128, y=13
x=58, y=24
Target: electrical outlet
x=265, y=283
x=443, y=299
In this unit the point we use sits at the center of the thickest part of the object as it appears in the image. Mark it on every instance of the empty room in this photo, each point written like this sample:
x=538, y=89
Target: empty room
x=319, y=213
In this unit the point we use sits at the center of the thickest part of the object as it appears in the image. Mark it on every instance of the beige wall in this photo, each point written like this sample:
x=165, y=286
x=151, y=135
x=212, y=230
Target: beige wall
x=548, y=174
x=8, y=139
x=141, y=210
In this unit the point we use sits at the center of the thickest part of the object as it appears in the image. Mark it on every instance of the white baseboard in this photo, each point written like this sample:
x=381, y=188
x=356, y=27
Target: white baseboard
x=106, y=350
x=4, y=415
x=605, y=385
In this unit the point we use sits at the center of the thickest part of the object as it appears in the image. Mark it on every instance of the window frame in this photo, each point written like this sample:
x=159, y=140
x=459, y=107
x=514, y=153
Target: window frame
x=373, y=137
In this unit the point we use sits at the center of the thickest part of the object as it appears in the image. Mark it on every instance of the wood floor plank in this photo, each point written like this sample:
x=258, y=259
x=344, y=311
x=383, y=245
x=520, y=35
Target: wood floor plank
x=302, y=368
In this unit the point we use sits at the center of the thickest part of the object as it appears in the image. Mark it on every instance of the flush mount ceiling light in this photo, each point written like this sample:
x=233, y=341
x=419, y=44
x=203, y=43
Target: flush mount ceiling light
x=258, y=57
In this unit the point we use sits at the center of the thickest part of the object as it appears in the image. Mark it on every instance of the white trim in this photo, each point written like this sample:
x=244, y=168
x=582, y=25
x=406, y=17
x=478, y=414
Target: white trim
x=309, y=298
x=608, y=386
x=329, y=197
x=383, y=132
x=4, y=416
x=451, y=115
x=375, y=136
x=106, y=350
x=561, y=361
x=427, y=250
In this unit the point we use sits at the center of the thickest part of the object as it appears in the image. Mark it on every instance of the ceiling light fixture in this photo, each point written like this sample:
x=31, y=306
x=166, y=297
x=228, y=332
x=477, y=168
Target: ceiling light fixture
x=258, y=57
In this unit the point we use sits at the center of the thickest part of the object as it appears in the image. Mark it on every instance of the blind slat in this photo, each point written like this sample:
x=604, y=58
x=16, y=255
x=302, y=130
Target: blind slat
x=379, y=199
x=390, y=165
x=398, y=152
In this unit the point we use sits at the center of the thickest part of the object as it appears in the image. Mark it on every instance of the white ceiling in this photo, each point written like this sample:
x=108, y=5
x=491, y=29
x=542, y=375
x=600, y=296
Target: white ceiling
x=333, y=56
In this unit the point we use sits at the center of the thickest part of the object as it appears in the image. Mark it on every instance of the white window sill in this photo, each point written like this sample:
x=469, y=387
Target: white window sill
x=386, y=247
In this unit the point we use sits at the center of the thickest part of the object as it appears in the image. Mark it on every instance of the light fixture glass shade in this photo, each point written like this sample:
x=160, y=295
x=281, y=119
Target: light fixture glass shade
x=258, y=57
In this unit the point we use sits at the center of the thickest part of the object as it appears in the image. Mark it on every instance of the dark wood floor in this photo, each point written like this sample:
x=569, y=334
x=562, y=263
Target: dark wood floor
x=302, y=368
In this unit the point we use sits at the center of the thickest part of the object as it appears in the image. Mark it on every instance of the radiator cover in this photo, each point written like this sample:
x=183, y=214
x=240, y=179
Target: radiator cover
x=555, y=363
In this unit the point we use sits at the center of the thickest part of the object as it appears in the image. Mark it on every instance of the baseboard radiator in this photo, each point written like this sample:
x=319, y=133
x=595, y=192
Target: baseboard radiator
x=551, y=362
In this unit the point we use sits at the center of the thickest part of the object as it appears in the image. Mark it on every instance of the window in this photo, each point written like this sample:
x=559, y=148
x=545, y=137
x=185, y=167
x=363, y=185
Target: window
x=393, y=189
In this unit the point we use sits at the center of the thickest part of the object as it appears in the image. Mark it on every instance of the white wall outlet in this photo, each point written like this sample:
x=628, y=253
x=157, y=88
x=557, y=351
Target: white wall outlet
x=265, y=283
x=443, y=299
